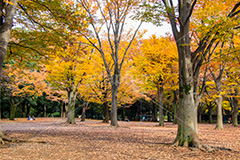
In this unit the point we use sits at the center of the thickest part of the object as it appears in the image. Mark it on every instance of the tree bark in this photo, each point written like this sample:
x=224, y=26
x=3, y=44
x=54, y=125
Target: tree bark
x=160, y=97
x=5, y=30
x=71, y=108
x=187, y=123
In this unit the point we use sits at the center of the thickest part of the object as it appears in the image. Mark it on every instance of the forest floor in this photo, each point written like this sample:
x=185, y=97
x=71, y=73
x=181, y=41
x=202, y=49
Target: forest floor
x=95, y=140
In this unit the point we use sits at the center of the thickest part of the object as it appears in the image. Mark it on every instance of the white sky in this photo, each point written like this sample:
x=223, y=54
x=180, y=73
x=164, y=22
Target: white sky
x=158, y=31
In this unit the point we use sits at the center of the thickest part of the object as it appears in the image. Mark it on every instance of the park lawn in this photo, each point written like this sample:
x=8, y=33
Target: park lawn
x=95, y=140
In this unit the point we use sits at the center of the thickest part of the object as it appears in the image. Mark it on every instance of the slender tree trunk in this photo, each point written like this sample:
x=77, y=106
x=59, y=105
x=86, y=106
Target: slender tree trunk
x=160, y=96
x=154, y=112
x=210, y=113
x=124, y=113
x=61, y=109
x=235, y=112
x=23, y=110
x=219, y=124
x=115, y=85
x=199, y=117
x=106, y=112
x=28, y=110
x=44, y=110
x=169, y=116
x=5, y=30
x=83, y=113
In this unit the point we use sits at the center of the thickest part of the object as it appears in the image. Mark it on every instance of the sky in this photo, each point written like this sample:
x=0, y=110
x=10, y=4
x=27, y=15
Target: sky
x=158, y=31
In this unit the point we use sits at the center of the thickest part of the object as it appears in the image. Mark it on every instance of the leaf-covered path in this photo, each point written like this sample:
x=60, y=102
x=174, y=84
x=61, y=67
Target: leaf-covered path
x=95, y=140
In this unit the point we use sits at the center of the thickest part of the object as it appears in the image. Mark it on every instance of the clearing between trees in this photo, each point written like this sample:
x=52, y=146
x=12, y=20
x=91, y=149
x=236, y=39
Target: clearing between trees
x=93, y=139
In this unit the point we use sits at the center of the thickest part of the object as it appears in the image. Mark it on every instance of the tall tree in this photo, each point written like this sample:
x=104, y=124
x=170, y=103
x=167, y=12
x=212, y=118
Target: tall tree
x=157, y=60
x=7, y=12
x=113, y=15
x=190, y=63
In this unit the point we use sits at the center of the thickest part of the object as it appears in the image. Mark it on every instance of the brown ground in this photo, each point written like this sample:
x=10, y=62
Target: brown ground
x=95, y=140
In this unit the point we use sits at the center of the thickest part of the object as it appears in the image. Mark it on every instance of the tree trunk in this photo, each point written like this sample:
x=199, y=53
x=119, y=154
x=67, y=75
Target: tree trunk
x=169, y=117
x=210, y=114
x=160, y=97
x=124, y=113
x=83, y=113
x=106, y=112
x=199, y=117
x=12, y=112
x=115, y=85
x=44, y=110
x=219, y=124
x=187, y=123
x=5, y=30
x=235, y=112
x=71, y=108
x=23, y=110
x=61, y=109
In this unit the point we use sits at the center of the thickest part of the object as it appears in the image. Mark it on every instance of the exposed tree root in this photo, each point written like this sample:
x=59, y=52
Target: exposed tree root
x=195, y=144
x=4, y=139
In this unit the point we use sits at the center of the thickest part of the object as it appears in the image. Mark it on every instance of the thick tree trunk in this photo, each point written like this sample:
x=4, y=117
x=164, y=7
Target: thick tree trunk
x=71, y=108
x=187, y=123
x=28, y=110
x=12, y=112
x=106, y=112
x=5, y=30
x=235, y=112
x=160, y=97
x=114, y=121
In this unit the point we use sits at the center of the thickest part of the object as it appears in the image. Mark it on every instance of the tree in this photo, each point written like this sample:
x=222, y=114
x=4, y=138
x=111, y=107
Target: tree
x=113, y=16
x=190, y=63
x=157, y=60
x=24, y=83
x=7, y=12
x=66, y=72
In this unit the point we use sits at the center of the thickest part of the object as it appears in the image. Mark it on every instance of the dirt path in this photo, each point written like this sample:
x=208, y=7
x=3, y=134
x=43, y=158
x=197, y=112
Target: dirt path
x=95, y=140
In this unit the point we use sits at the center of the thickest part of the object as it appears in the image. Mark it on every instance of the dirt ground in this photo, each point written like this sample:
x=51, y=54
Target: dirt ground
x=95, y=140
